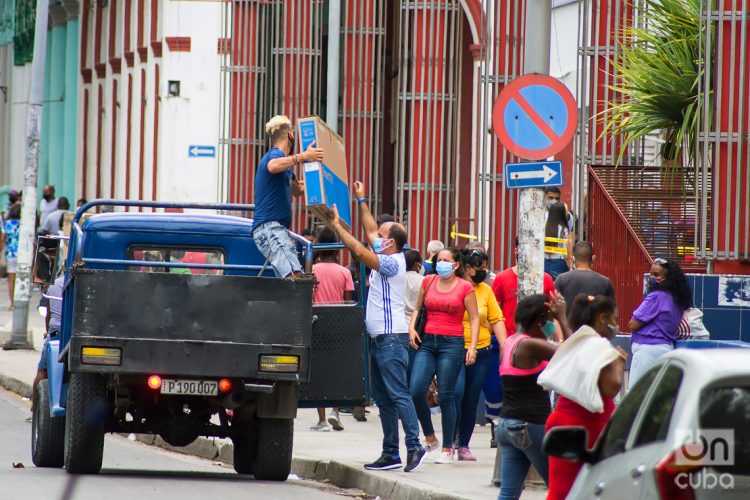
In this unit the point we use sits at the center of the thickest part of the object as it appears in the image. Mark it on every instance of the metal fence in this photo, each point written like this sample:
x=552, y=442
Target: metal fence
x=619, y=251
x=271, y=64
x=723, y=166
x=659, y=206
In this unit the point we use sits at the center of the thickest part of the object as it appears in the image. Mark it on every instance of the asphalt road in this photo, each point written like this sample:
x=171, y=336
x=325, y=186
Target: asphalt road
x=131, y=471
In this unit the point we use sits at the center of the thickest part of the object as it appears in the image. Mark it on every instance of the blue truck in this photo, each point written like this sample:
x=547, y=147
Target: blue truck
x=173, y=324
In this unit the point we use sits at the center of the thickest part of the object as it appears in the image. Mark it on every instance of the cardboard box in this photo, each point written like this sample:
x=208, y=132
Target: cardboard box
x=326, y=183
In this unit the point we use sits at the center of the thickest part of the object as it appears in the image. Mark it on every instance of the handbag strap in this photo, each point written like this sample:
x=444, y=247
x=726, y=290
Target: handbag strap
x=427, y=290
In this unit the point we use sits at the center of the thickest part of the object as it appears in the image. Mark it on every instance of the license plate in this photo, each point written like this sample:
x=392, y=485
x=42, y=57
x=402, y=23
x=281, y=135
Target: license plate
x=190, y=387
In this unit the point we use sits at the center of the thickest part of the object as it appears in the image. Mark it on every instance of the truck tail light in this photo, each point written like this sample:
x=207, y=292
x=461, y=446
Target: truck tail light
x=673, y=478
x=225, y=385
x=91, y=355
x=278, y=364
x=154, y=382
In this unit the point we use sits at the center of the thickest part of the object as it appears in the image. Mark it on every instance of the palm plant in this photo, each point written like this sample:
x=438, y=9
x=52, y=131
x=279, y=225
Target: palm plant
x=658, y=76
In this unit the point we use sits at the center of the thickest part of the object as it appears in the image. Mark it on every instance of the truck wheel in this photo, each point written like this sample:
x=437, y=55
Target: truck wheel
x=245, y=450
x=274, y=455
x=47, y=432
x=86, y=416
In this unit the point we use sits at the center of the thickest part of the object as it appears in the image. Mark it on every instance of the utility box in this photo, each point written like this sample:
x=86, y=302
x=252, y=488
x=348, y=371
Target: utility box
x=326, y=182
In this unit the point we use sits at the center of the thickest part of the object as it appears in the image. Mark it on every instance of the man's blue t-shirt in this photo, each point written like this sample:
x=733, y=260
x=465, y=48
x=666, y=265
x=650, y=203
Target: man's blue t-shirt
x=273, y=193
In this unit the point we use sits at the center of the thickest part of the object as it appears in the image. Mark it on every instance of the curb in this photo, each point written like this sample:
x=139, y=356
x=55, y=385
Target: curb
x=330, y=471
x=336, y=473
x=15, y=385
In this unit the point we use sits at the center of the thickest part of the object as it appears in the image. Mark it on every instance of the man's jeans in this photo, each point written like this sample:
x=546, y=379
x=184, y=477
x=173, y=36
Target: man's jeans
x=391, y=392
x=440, y=355
x=521, y=446
x=468, y=387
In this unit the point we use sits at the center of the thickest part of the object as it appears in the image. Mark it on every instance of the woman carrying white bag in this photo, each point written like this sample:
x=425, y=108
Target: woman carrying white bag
x=586, y=372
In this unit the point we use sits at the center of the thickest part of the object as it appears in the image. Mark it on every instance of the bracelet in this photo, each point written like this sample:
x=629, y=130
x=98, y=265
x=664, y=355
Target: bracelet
x=473, y=347
x=362, y=200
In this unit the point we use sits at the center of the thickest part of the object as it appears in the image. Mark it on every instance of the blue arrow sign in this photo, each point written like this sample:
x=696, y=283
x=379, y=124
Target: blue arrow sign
x=202, y=151
x=539, y=174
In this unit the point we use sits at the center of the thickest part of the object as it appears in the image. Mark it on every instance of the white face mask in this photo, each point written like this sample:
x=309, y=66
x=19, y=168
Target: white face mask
x=421, y=270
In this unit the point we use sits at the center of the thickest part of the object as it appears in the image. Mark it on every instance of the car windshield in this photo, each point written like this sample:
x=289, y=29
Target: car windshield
x=171, y=254
x=727, y=408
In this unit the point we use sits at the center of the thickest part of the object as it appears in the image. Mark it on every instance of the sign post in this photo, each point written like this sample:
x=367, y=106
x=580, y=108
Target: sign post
x=535, y=118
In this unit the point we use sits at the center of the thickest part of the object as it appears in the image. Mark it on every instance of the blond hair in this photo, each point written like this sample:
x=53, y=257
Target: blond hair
x=277, y=127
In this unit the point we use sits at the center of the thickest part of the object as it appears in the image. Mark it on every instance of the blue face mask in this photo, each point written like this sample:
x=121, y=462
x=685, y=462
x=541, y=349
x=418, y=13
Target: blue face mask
x=653, y=284
x=444, y=269
x=377, y=245
x=548, y=329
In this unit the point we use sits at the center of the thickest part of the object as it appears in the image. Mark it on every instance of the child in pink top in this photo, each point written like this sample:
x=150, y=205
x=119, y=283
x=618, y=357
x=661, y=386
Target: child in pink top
x=335, y=286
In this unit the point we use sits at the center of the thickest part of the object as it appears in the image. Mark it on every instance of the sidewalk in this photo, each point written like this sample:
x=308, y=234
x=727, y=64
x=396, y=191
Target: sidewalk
x=337, y=457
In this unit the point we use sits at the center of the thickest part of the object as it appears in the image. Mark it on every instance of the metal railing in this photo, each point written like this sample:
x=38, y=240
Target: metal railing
x=620, y=255
x=659, y=206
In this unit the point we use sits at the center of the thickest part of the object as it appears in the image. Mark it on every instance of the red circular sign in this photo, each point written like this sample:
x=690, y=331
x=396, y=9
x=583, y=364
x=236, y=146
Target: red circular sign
x=535, y=117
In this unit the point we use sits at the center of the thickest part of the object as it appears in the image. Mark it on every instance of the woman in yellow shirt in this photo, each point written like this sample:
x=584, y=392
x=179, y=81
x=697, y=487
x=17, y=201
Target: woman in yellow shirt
x=471, y=378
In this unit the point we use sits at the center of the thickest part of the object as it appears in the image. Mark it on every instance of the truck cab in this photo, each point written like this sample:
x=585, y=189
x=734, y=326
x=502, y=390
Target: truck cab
x=174, y=324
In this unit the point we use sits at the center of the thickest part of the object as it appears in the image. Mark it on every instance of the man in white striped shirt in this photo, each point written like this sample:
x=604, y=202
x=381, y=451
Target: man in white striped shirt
x=388, y=330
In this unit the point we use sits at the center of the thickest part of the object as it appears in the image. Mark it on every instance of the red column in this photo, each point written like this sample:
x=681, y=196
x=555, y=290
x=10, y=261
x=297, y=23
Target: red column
x=732, y=172
x=244, y=54
x=358, y=104
x=609, y=19
x=509, y=26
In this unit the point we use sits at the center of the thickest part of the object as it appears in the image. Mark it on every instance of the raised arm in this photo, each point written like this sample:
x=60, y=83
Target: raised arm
x=369, y=225
x=278, y=165
x=358, y=250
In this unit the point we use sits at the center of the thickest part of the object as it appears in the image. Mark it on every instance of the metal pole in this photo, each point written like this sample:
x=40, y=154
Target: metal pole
x=536, y=39
x=19, y=333
x=334, y=47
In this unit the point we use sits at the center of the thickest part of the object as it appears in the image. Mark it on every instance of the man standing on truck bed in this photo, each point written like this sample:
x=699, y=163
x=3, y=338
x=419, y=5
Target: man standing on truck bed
x=275, y=183
x=388, y=330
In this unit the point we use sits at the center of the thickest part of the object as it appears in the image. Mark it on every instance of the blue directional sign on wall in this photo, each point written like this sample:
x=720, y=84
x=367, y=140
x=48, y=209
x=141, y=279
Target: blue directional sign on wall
x=201, y=151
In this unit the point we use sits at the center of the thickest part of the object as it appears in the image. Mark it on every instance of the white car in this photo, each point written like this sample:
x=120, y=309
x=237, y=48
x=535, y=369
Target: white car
x=681, y=433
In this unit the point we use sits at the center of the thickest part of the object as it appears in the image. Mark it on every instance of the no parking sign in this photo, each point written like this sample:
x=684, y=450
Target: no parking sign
x=535, y=117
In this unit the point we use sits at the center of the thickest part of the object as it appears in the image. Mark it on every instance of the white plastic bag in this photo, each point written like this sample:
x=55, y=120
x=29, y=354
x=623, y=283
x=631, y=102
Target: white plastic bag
x=574, y=370
x=694, y=319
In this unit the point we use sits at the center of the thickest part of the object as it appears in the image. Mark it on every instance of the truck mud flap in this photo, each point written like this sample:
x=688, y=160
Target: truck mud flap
x=338, y=358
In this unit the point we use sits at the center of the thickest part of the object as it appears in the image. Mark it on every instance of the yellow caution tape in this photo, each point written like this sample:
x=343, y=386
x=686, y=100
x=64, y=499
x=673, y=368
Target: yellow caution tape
x=555, y=240
x=558, y=250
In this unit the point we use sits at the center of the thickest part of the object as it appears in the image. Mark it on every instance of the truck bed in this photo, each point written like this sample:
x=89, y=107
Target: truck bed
x=183, y=323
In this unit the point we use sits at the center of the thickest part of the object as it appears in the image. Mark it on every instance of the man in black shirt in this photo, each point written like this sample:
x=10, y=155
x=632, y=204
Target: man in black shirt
x=583, y=279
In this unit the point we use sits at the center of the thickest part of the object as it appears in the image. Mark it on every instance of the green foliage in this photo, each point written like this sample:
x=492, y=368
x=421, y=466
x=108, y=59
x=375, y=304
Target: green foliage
x=658, y=78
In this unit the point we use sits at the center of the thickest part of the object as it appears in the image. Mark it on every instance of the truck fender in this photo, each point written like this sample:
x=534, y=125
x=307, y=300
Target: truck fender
x=56, y=375
x=281, y=403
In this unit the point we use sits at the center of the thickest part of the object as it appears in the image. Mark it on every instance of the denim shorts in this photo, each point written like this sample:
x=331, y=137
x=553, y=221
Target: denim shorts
x=44, y=357
x=275, y=244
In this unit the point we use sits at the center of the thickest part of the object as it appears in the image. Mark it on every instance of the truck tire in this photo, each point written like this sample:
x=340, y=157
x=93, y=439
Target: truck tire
x=244, y=453
x=85, y=423
x=47, y=432
x=274, y=453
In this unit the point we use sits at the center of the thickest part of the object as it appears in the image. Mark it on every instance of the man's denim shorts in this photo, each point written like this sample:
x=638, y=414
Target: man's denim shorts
x=274, y=242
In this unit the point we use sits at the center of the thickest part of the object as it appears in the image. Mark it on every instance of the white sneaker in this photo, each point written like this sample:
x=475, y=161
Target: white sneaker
x=333, y=419
x=320, y=427
x=444, y=458
x=430, y=446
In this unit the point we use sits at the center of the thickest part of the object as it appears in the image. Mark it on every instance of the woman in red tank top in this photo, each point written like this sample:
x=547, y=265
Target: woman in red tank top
x=598, y=313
